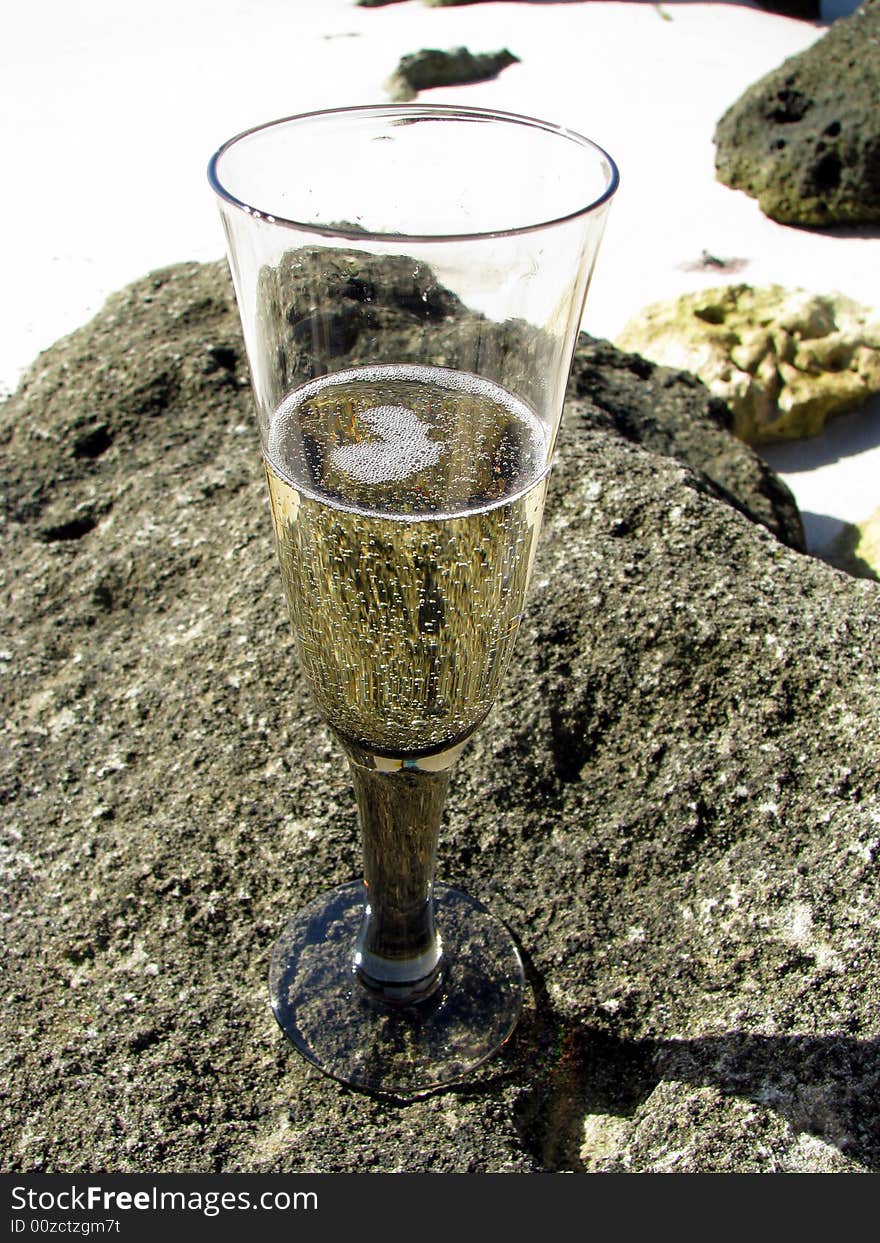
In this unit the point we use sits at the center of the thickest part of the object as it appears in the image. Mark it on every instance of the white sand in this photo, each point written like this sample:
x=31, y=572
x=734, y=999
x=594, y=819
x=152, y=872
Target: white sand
x=112, y=110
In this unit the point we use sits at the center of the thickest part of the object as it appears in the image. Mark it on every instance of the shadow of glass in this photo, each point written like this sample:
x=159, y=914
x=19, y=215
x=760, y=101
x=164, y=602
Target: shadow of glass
x=825, y=1086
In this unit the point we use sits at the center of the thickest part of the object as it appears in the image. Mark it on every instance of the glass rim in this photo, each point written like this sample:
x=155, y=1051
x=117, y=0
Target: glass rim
x=465, y=112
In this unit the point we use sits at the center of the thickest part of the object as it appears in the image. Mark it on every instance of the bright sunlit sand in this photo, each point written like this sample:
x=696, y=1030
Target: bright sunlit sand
x=112, y=112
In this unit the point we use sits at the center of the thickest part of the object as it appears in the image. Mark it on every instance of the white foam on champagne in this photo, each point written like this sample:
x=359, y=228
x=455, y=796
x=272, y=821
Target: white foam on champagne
x=401, y=447
x=402, y=427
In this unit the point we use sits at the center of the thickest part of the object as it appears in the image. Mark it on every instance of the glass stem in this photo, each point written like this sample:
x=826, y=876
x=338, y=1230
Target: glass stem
x=398, y=954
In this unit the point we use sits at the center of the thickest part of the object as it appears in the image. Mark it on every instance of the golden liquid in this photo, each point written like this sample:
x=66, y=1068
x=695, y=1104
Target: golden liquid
x=407, y=503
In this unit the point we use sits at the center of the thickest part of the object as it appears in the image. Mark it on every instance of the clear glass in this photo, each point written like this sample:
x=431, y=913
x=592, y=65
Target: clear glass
x=411, y=281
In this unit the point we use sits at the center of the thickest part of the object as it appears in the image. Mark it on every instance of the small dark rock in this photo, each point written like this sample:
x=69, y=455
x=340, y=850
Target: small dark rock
x=432, y=67
x=805, y=139
x=707, y=262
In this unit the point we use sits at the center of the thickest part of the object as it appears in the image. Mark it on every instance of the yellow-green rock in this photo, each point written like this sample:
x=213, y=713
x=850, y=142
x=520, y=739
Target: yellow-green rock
x=782, y=359
x=857, y=548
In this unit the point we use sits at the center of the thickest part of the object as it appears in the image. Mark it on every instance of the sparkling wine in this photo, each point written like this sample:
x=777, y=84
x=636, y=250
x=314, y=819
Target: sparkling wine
x=407, y=503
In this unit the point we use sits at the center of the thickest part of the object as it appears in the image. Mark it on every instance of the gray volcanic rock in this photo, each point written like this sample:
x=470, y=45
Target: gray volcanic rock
x=672, y=413
x=417, y=71
x=674, y=803
x=805, y=139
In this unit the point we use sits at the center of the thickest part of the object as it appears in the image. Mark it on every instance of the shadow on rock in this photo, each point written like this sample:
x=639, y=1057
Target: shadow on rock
x=827, y=1087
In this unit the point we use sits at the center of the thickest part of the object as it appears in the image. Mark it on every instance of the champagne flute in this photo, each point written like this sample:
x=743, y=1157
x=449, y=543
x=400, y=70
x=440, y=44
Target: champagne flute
x=410, y=281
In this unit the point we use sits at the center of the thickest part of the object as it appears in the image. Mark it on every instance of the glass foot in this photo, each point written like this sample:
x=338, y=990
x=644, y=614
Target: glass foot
x=329, y=1017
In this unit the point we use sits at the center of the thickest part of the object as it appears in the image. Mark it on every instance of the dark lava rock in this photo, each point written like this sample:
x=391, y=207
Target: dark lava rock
x=674, y=803
x=417, y=71
x=805, y=139
x=673, y=413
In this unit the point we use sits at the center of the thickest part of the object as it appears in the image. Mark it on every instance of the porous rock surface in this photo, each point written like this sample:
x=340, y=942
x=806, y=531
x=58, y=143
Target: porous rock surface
x=674, y=803
x=783, y=360
x=804, y=140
